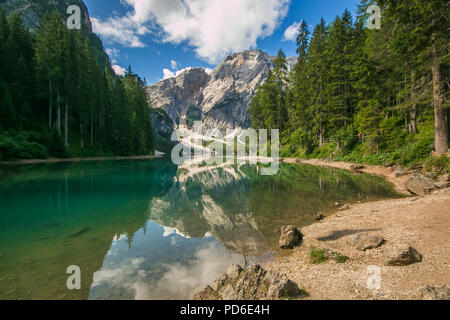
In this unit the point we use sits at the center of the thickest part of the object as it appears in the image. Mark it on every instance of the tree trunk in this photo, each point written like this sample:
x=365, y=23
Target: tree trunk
x=413, y=112
x=448, y=122
x=66, y=127
x=440, y=133
x=59, y=115
x=321, y=135
x=81, y=135
x=50, y=103
x=92, y=126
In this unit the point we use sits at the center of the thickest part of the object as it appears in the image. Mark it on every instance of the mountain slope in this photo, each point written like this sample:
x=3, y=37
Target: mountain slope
x=32, y=11
x=221, y=99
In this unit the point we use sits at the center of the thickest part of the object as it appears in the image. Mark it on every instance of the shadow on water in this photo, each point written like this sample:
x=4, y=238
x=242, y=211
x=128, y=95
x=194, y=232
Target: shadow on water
x=150, y=229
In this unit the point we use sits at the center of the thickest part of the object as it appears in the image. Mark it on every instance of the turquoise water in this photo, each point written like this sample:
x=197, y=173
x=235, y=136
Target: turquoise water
x=151, y=230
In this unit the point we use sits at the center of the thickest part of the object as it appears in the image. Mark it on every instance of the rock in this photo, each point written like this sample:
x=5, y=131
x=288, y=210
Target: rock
x=32, y=12
x=336, y=204
x=364, y=241
x=290, y=237
x=319, y=217
x=356, y=167
x=419, y=184
x=252, y=284
x=401, y=255
x=221, y=98
x=433, y=293
x=443, y=181
x=161, y=123
x=345, y=207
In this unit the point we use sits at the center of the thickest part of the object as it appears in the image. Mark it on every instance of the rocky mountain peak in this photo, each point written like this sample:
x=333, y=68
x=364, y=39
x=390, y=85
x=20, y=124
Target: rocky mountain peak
x=220, y=99
x=32, y=11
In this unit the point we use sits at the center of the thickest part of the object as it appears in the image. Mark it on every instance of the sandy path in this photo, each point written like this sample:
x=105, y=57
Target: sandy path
x=423, y=222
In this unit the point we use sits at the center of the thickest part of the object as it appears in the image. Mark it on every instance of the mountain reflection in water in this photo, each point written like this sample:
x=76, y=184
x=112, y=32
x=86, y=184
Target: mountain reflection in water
x=150, y=229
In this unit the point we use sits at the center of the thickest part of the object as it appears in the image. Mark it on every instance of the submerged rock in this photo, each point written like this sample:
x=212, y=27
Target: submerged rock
x=364, y=241
x=79, y=232
x=290, y=237
x=401, y=255
x=252, y=284
x=419, y=185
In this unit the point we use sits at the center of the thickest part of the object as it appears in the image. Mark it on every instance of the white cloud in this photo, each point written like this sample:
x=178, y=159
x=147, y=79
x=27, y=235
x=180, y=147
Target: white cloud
x=173, y=64
x=120, y=30
x=291, y=32
x=212, y=28
x=170, y=74
x=119, y=70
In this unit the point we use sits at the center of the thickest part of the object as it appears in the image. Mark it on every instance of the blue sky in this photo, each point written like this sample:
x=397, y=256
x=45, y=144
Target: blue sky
x=158, y=38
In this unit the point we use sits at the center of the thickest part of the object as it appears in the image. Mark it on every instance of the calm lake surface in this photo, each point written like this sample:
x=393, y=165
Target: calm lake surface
x=149, y=229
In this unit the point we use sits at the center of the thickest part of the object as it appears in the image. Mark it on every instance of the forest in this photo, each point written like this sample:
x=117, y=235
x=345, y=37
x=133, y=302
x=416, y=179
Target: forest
x=366, y=95
x=57, y=100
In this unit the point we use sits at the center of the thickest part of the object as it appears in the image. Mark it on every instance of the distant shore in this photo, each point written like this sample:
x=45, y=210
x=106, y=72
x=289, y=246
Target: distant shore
x=77, y=159
x=385, y=172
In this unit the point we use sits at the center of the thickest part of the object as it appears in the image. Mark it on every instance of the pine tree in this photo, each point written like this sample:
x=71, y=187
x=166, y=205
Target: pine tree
x=429, y=27
x=8, y=118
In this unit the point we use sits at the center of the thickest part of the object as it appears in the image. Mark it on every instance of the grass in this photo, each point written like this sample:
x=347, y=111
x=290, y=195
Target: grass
x=341, y=259
x=440, y=165
x=317, y=256
x=397, y=146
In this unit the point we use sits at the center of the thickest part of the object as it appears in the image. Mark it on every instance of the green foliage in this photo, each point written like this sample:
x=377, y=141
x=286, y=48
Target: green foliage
x=317, y=256
x=364, y=95
x=341, y=259
x=54, y=91
x=440, y=165
x=19, y=148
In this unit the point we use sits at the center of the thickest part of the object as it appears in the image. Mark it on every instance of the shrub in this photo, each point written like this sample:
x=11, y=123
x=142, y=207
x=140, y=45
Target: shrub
x=438, y=165
x=341, y=259
x=317, y=256
x=19, y=148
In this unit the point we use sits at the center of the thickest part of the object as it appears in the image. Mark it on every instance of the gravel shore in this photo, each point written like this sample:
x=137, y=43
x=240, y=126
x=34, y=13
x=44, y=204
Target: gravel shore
x=422, y=222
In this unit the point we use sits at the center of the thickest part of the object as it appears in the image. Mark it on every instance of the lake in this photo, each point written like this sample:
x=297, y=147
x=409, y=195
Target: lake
x=148, y=229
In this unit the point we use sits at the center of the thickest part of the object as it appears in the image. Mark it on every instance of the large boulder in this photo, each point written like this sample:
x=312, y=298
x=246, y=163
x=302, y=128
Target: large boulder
x=419, y=185
x=401, y=255
x=252, y=284
x=364, y=241
x=290, y=237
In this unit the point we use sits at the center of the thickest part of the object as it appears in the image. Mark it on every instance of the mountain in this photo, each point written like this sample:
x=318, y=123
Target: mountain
x=32, y=11
x=220, y=99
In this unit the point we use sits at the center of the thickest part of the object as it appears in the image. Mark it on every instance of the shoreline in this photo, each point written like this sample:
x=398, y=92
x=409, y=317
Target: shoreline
x=384, y=172
x=77, y=159
x=420, y=221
